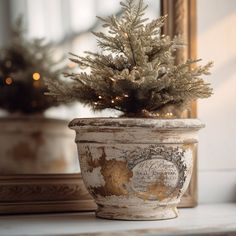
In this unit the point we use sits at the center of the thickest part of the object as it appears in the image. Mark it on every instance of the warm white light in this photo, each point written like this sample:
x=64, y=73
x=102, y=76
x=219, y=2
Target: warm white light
x=71, y=65
x=36, y=76
x=9, y=80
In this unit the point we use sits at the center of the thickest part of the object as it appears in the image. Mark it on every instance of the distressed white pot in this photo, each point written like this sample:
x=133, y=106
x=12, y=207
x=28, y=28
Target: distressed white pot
x=136, y=169
x=36, y=145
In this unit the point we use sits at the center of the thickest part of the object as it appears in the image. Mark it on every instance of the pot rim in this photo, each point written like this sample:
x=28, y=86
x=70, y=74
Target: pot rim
x=112, y=122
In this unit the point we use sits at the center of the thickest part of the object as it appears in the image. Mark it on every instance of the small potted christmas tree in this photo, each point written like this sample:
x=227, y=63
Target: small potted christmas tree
x=136, y=166
x=26, y=135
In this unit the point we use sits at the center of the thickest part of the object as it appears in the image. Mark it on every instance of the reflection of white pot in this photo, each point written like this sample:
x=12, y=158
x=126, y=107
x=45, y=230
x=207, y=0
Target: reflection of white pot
x=136, y=169
x=36, y=145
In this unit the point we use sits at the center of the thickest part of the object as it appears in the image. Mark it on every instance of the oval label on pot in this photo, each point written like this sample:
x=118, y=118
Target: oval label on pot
x=158, y=171
x=158, y=178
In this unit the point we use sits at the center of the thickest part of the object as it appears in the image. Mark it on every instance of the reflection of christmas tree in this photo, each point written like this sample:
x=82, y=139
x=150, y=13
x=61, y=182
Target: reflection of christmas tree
x=135, y=73
x=23, y=64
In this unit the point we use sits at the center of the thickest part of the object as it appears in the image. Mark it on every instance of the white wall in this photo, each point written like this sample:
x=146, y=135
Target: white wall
x=217, y=148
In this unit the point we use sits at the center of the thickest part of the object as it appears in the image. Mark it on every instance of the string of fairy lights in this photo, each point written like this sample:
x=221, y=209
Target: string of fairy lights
x=113, y=100
x=35, y=76
x=117, y=99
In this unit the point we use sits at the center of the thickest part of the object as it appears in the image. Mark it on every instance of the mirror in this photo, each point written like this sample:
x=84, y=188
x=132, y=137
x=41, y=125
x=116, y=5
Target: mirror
x=68, y=24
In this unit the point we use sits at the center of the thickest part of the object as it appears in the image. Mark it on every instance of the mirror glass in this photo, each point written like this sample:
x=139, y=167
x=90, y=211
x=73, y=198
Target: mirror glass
x=66, y=23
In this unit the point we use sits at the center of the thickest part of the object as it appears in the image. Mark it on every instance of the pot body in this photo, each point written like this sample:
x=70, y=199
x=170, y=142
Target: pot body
x=136, y=169
x=36, y=145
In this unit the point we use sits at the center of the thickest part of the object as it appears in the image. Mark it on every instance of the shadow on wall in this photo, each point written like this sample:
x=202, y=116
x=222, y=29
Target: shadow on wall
x=224, y=71
x=214, y=17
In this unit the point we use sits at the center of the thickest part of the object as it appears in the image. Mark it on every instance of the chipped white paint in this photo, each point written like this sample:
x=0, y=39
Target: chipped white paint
x=93, y=178
x=146, y=164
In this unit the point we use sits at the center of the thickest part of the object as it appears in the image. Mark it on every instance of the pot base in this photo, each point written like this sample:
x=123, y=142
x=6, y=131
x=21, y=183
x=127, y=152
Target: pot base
x=126, y=213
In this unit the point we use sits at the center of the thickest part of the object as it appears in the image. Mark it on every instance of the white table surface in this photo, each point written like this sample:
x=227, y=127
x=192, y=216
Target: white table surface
x=217, y=219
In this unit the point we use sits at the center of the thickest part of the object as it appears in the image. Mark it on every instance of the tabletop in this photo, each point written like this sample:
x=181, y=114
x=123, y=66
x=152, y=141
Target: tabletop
x=213, y=219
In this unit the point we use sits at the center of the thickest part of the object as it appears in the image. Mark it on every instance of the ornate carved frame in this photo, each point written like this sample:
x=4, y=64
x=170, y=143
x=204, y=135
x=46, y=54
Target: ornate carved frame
x=66, y=192
x=43, y=193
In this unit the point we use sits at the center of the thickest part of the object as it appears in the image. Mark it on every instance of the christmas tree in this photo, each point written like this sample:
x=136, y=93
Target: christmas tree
x=23, y=65
x=135, y=71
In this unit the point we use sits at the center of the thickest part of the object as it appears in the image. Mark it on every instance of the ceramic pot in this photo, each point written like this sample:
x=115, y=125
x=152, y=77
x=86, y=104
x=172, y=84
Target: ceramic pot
x=36, y=145
x=136, y=169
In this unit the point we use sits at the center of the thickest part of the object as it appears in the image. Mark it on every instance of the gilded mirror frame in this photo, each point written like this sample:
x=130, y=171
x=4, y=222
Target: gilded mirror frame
x=182, y=21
